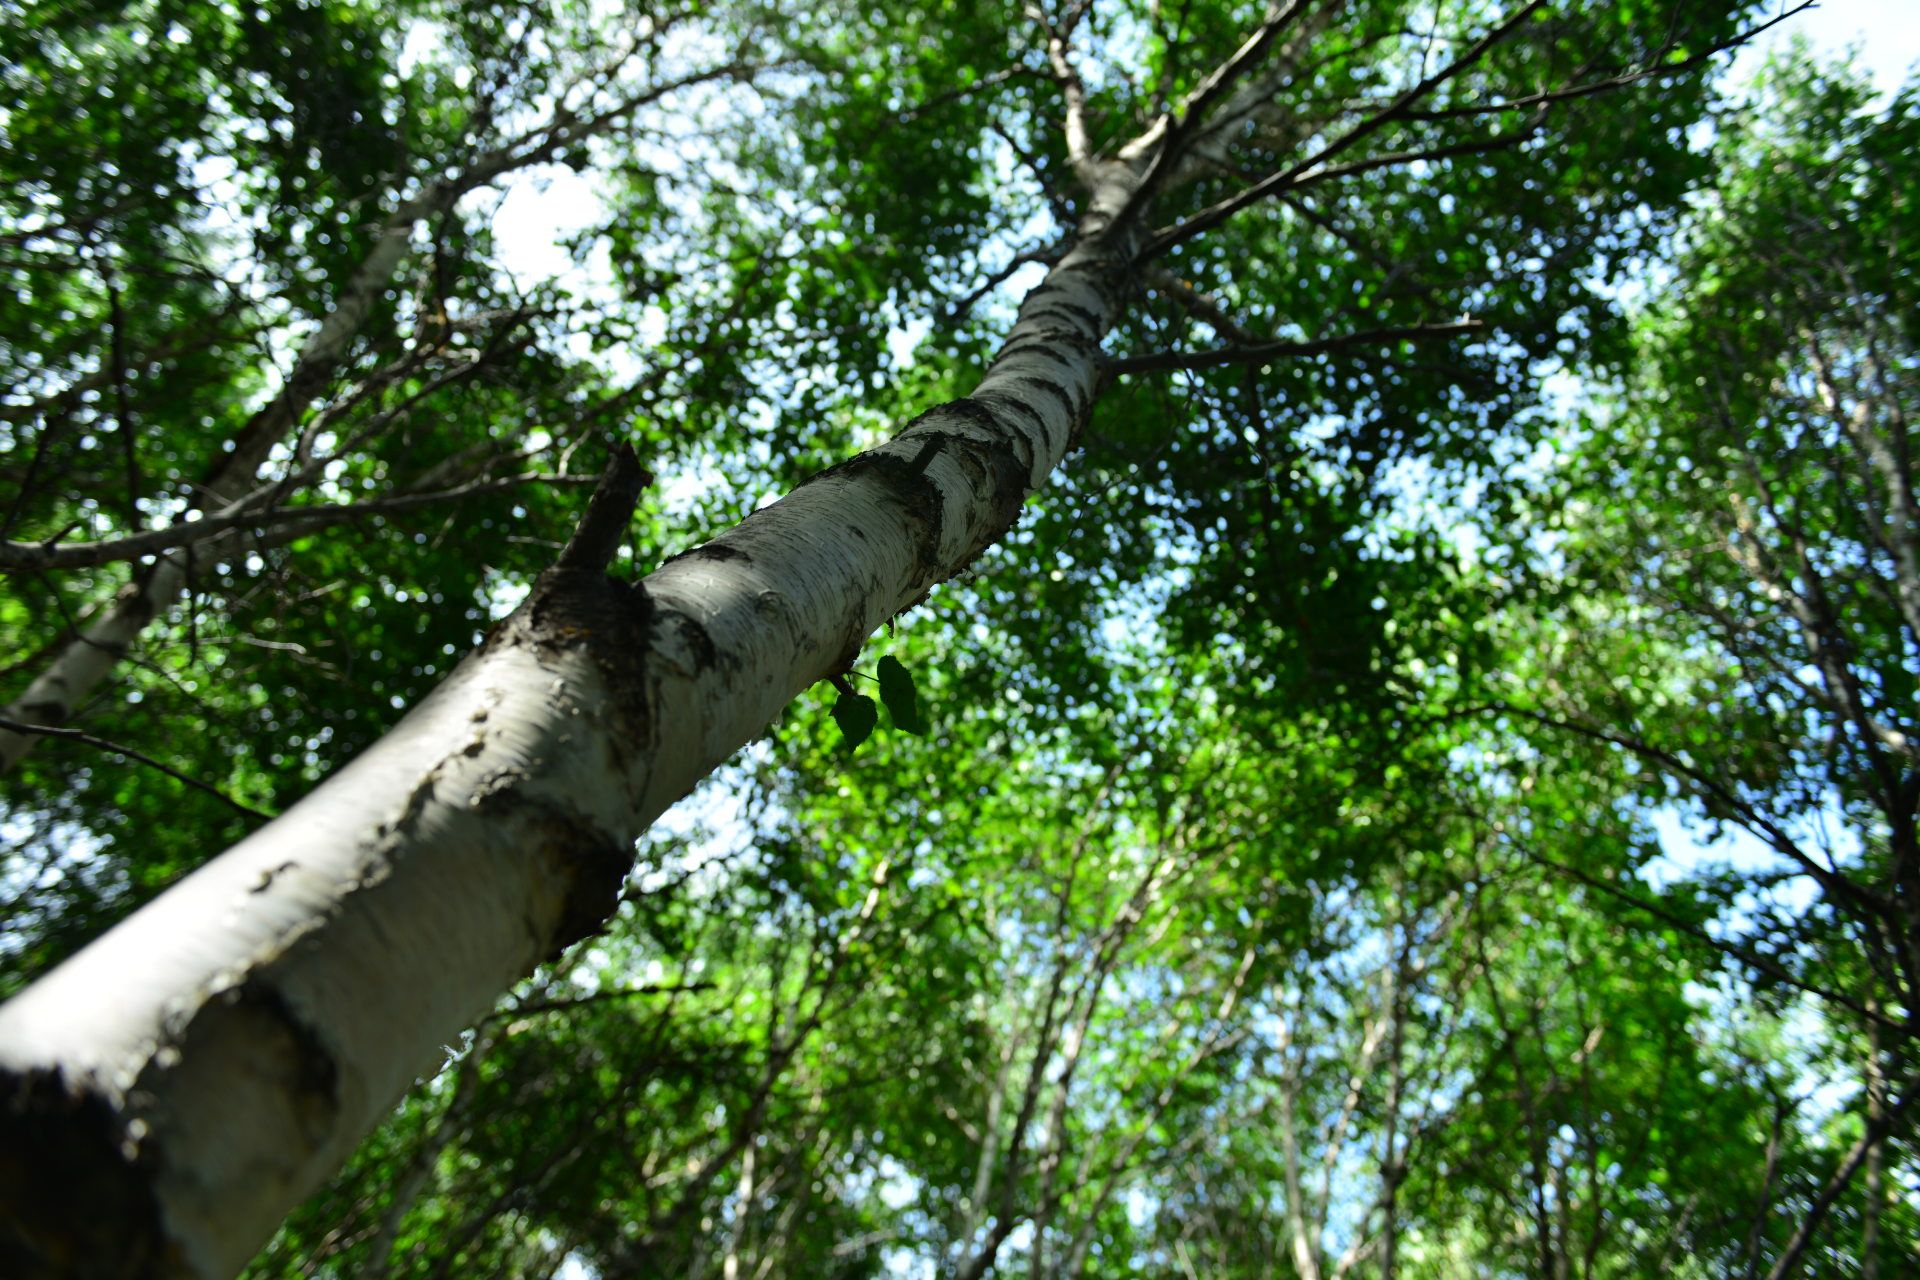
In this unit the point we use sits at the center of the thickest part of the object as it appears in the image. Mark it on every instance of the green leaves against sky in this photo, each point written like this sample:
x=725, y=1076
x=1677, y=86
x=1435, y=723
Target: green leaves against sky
x=1257, y=869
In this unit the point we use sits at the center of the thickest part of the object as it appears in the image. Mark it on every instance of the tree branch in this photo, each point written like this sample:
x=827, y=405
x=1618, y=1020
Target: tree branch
x=955, y=313
x=593, y=998
x=1468, y=147
x=1201, y=305
x=1170, y=137
x=1221, y=210
x=602, y=528
x=1072, y=89
x=1752, y=959
x=1875, y=1131
x=1162, y=361
x=35, y=557
x=1404, y=108
x=75, y=735
x=1831, y=881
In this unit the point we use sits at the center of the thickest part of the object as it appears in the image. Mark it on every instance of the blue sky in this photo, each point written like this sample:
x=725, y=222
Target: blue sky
x=1884, y=34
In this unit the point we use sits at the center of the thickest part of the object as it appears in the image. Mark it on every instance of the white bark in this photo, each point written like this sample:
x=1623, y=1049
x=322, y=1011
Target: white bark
x=204, y=1066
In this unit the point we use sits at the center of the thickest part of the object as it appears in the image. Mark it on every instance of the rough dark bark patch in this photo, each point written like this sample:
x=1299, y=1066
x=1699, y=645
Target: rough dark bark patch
x=593, y=864
x=63, y=1175
x=613, y=620
x=916, y=493
x=256, y=1014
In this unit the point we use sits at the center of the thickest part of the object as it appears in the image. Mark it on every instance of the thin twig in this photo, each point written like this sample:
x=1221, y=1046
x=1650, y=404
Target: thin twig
x=1160, y=361
x=75, y=735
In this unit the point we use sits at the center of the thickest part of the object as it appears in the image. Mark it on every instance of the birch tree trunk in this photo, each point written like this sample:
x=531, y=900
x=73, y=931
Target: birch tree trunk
x=173, y=1090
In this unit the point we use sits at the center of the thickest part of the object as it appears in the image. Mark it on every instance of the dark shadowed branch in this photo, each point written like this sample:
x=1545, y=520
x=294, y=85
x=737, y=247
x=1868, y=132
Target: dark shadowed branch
x=76, y=735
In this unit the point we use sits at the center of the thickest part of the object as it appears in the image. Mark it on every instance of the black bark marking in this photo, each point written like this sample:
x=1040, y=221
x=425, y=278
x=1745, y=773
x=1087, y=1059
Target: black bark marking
x=310, y=1073
x=1048, y=342
x=924, y=459
x=1042, y=386
x=73, y=1201
x=719, y=551
x=591, y=863
x=1008, y=437
x=268, y=876
x=1019, y=406
x=1070, y=320
x=1002, y=476
x=971, y=408
x=1009, y=495
x=611, y=619
x=616, y=623
x=914, y=490
x=694, y=632
x=1079, y=311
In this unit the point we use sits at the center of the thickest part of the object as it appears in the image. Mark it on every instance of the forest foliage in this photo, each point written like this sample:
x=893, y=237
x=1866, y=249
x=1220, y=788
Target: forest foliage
x=1282, y=855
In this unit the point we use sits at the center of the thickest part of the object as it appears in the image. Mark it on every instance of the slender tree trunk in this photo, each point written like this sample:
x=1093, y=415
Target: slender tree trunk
x=1763, y=1210
x=77, y=667
x=1875, y=1189
x=743, y=1202
x=1391, y=1171
x=172, y=1091
x=1305, y=1250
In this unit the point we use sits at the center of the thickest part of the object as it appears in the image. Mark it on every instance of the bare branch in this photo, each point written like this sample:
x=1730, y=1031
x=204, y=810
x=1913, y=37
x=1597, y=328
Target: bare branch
x=1221, y=210
x=1170, y=136
x=75, y=735
x=1394, y=159
x=1072, y=89
x=1876, y=1130
x=593, y=998
x=35, y=557
x=1589, y=88
x=1162, y=361
x=1746, y=814
x=1752, y=959
x=958, y=310
x=604, y=526
x=1404, y=108
x=1201, y=305
x=939, y=100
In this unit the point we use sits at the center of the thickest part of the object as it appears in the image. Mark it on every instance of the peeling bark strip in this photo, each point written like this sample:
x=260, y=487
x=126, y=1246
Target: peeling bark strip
x=172, y=1091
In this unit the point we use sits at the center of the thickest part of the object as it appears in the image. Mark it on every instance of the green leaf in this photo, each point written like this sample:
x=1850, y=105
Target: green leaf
x=856, y=715
x=903, y=705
